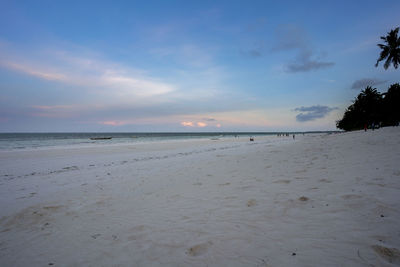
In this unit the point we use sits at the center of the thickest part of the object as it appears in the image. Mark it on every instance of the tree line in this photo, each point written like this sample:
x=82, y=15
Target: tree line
x=371, y=108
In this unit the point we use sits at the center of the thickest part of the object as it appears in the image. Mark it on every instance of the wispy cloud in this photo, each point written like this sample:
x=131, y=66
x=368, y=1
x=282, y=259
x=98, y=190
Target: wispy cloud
x=45, y=74
x=312, y=112
x=195, y=70
x=105, y=78
x=362, y=83
x=294, y=38
x=127, y=86
x=307, y=64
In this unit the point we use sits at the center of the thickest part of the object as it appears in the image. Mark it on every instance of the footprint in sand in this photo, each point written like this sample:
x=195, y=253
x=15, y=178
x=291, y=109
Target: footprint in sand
x=391, y=255
x=303, y=198
x=71, y=168
x=325, y=181
x=281, y=181
x=251, y=202
x=95, y=236
x=199, y=249
x=31, y=217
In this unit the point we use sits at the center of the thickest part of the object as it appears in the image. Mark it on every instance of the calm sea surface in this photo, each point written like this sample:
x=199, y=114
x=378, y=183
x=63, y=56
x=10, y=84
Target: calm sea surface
x=16, y=141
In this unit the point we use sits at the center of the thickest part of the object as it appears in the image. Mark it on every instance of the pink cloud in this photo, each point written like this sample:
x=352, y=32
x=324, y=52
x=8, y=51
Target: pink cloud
x=187, y=123
x=113, y=123
x=193, y=124
x=218, y=125
x=35, y=71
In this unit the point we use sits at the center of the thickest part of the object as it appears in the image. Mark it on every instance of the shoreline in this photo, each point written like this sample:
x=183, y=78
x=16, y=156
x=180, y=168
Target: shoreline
x=276, y=201
x=26, y=142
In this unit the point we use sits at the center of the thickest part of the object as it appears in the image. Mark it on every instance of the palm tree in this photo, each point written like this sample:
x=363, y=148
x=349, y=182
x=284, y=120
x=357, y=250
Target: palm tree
x=390, y=50
x=366, y=109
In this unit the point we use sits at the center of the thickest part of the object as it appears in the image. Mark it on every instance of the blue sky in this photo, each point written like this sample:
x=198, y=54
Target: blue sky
x=188, y=65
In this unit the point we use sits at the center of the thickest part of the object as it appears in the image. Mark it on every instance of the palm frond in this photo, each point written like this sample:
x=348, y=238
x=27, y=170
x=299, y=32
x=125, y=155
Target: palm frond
x=390, y=50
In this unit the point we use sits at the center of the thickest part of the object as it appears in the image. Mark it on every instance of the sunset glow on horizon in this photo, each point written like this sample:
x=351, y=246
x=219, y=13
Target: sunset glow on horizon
x=187, y=66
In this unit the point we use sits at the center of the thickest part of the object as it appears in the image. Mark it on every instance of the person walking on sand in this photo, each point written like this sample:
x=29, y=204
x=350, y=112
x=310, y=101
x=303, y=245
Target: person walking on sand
x=365, y=127
x=294, y=137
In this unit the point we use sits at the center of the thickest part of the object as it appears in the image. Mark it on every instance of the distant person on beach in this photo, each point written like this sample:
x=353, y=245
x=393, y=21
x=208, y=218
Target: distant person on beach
x=365, y=127
x=294, y=137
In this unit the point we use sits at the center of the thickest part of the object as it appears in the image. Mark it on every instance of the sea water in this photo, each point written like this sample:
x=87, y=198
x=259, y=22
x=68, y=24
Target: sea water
x=17, y=141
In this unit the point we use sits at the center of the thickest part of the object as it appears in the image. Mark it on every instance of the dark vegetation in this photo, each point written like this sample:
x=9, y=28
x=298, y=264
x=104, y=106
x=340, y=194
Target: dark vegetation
x=390, y=50
x=371, y=108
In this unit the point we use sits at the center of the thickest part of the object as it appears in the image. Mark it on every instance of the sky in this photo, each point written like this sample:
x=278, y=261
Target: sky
x=188, y=66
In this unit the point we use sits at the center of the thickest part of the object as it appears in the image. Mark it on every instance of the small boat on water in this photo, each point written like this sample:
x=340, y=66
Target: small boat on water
x=100, y=138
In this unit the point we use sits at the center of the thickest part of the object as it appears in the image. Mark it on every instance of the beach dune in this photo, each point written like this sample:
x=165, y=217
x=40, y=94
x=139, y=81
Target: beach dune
x=318, y=200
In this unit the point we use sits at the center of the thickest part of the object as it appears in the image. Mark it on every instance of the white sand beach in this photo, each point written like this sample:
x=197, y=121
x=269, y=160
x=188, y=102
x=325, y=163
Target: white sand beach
x=318, y=200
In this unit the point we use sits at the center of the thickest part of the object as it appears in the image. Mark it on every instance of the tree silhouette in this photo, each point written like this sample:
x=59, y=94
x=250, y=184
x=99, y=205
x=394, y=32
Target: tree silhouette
x=365, y=110
x=391, y=105
x=371, y=107
x=390, y=50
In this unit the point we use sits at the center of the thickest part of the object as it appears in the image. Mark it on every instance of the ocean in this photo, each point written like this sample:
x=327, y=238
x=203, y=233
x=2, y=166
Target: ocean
x=17, y=141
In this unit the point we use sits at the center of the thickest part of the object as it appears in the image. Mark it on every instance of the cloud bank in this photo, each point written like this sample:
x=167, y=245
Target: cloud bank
x=312, y=113
x=307, y=64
